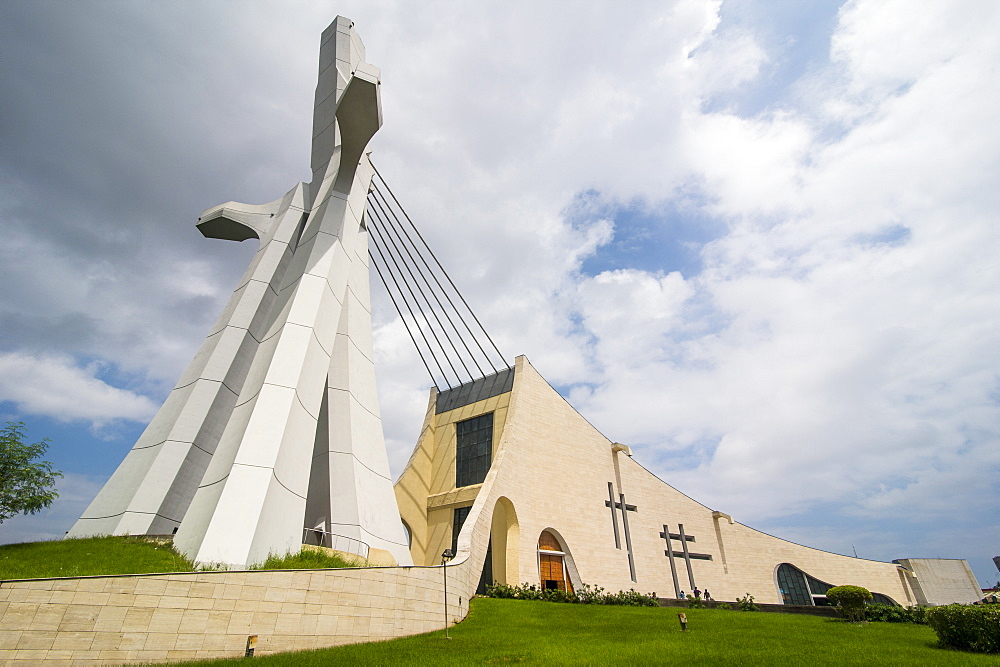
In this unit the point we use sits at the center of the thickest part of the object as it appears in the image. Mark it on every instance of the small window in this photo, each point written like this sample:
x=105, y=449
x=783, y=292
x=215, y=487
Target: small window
x=409, y=534
x=817, y=587
x=879, y=598
x=458, y=520
x=473, y=449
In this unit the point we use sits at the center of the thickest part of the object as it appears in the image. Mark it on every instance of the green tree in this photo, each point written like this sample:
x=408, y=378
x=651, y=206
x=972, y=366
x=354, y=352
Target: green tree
x=851, y=599
x=27, y=485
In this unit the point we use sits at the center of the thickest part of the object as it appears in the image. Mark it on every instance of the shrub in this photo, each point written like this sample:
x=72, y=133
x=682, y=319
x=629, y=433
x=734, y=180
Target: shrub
x=586, y=594
x=695, y=603
x=890, y=613
x=502, y=591
x=745, y=603
x=967, y=627
x=528, y=592
x=556, y=595
x=851, y=600
x=886, y=613
x=723, y=605
x=630, y=598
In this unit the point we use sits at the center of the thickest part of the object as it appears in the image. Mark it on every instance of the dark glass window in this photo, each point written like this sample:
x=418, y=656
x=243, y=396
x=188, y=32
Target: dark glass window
x=456, y=526
x=458, y=520
x=817, y=587
x=486, y=578
x=797, y=587
x=792, y=584
x=878, y=598
x=473, y=450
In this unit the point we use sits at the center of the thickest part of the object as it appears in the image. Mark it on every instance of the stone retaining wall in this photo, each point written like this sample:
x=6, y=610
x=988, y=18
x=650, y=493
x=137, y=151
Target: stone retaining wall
x=184, y=616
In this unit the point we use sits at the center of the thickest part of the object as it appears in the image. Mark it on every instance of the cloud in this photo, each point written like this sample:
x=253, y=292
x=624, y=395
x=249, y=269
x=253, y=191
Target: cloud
x=833, y=351
x=845, y=349
x=55, y=386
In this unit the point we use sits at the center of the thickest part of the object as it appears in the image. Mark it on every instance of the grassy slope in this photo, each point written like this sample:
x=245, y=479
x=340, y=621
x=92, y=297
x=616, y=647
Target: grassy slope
x=511, y=631
x=123, y=555
x=88, y=556
x=308, y=560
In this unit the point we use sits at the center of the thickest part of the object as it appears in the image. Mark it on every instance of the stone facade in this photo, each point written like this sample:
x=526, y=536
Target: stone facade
x=551, y=470
x=938, y=581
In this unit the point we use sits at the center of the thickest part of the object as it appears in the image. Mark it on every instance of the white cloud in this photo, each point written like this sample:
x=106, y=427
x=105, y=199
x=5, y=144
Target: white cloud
x=886, y=44
x=56, y=387
x=629, y=311
x=725, y=61
x=838, y=363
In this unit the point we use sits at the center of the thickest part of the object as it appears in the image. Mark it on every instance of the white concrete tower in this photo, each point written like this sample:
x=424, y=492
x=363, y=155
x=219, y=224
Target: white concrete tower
x=275, y=428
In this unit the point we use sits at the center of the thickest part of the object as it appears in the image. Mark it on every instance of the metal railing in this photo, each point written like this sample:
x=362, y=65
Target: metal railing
x=322, y=538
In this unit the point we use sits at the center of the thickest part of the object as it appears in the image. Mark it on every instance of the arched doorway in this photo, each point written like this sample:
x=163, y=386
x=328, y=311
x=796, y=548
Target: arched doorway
x=504, y=539
x=551, y=563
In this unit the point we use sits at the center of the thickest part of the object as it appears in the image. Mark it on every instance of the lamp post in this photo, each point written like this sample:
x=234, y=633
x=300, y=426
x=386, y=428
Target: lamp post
x=445, y=557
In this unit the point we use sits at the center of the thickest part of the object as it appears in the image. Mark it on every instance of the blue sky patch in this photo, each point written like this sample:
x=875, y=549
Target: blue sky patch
x=894, y=236
x=76, y=447
x=660, y=239
x=798, y=36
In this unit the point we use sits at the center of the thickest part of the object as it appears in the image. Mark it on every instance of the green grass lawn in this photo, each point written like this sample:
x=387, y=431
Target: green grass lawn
x=88, y=556
x=515, y=631
x=125, y=555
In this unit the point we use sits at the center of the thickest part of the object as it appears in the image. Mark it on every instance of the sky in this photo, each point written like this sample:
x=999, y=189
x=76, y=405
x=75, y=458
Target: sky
x=755, y=241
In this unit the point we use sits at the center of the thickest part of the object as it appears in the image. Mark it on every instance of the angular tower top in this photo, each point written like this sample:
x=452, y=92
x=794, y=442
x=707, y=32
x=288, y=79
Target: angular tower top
x=341, y=58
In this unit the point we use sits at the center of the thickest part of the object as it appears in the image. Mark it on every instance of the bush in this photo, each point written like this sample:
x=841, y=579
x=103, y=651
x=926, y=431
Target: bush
x=851, y=600
x=890, y=613
x=695, y=603
x=723, y=605
x=745, y=603
x=630, y=598
x=586, y=594
x=556, y=595
x=967, y=627
x=502, y=591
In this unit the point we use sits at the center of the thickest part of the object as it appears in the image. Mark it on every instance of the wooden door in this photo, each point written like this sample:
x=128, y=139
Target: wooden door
x=551, y=568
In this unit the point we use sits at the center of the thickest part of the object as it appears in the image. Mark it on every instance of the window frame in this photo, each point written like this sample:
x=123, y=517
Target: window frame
x=473, y=448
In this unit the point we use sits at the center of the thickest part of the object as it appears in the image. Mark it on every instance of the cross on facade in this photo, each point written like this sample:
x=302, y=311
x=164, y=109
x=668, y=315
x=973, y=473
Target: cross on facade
x=688, y=556
x=615, y=506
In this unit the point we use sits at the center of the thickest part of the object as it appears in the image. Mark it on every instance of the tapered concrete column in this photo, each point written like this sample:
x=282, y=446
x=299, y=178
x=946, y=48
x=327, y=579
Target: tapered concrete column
x=153, y=487
x=278, y=412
